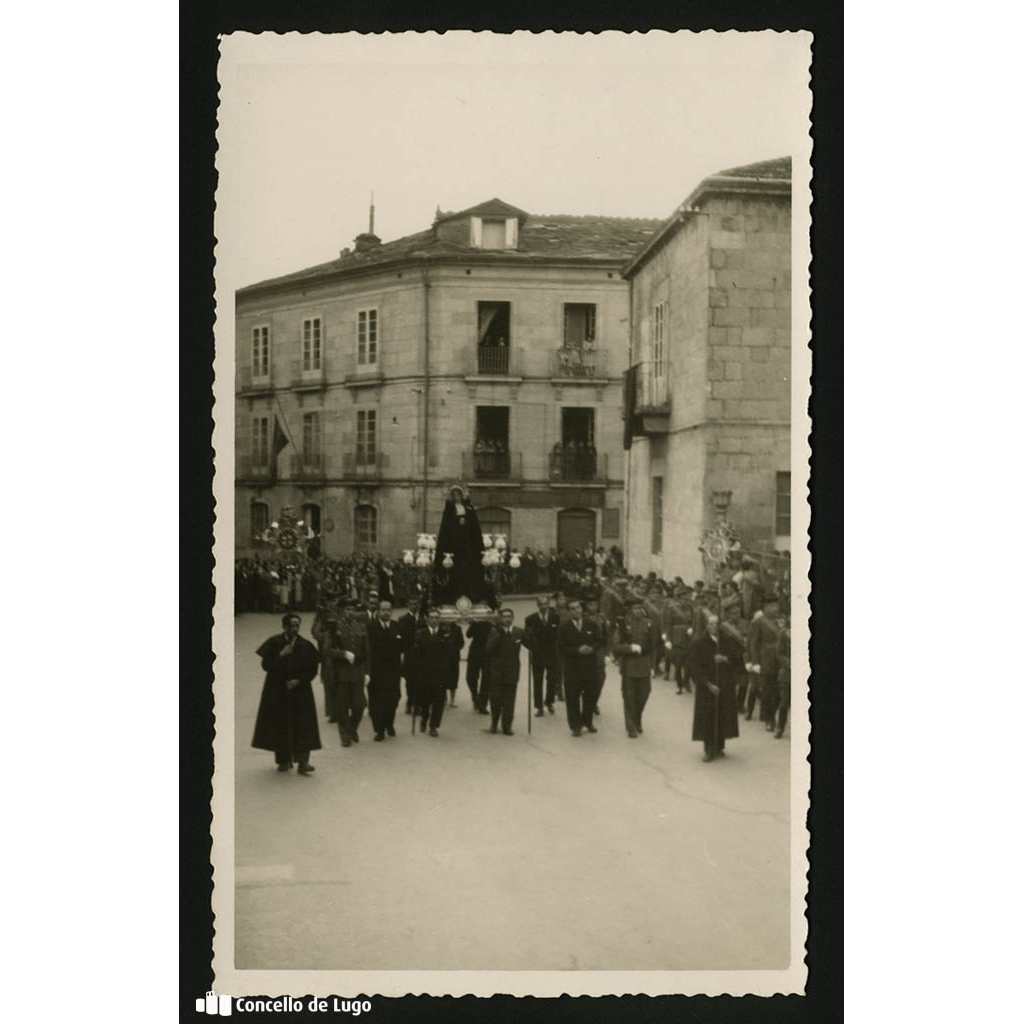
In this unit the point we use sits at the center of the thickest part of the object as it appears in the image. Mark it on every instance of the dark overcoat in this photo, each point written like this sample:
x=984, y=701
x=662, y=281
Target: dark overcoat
x=706, y=670
x=503, y=656
x=386, y=647
x=431, y=663
x=542, y=638
x=286, y=719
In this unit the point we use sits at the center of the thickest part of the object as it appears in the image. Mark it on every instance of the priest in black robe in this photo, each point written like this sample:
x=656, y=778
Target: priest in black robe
x=459, y=536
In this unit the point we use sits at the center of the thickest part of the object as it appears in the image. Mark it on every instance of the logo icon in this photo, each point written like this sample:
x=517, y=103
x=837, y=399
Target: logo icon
x=217, y=1005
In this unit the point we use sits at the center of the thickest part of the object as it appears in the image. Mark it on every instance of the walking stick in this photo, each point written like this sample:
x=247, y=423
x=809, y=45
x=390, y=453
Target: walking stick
x=529, y=695
x=718, y=687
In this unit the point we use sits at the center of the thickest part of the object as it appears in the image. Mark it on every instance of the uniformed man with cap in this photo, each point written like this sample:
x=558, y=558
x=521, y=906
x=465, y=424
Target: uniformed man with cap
x=635, y=645
x=347, y=647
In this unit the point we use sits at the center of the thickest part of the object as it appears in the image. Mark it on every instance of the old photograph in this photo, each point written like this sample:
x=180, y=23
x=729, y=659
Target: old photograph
x=511, y=431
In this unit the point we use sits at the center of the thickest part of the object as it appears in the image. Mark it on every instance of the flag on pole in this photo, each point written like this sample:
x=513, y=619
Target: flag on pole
x=280, y=440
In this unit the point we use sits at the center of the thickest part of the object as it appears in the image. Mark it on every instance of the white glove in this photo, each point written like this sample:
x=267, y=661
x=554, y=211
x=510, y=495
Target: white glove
x=689, y=632
x=349, y=657
x=668, y=645
x=635, y=648
x=749, y=667
x=756, y=669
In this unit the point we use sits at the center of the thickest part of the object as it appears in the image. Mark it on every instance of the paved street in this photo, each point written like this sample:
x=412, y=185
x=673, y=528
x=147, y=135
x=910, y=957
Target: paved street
x=530, y=852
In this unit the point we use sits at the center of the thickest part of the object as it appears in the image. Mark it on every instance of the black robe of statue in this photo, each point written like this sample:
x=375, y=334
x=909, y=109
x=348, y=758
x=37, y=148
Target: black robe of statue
x=461, y=536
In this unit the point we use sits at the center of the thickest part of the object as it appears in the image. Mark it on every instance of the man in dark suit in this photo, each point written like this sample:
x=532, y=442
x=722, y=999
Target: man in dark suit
x=476, y=664
x=504, y=644
x=407, y=626
x=386, y=648
x=762, y=663
x=432, y=667
x=542, y=640
x=577, y=641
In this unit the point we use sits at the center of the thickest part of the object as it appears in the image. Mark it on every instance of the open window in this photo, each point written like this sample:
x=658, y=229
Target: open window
x=491, y=456
x=493, y=336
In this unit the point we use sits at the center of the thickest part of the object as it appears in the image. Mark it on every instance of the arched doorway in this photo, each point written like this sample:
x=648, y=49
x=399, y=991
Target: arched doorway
x=577, y=527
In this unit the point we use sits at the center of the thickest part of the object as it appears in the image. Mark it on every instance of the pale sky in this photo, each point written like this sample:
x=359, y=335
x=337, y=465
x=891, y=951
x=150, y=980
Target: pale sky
x=621, y=125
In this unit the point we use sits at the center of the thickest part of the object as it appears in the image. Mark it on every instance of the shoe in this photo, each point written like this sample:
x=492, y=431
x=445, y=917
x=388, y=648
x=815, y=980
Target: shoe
x=391, y=730
x=769, y=727
x=493, y=730
x=591, y=728
x=597, y=710
x=284, y=767
x=433, y=731
x=679, y=690
x=640, y=730
x=551, y=708
x=333, y=721
x=631, y=734
x=378, y=737
x=508, y=732
x=576, y=732
x=538, y=714
x=452, y=704
x=306, y=769
x=423, y=725
x=779, y=734
x=346, y=743
x=408, y=710
x=748, y=715
x=708, y=757
x=355, y=737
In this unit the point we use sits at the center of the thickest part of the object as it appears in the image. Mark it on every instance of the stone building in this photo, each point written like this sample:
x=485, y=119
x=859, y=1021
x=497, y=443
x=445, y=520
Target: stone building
x=487, y=349
x=708, y=392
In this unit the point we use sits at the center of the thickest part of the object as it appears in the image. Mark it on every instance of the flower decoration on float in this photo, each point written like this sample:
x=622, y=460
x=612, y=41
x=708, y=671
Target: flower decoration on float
x=407, y=556
x=488, y=540
x=448, y=561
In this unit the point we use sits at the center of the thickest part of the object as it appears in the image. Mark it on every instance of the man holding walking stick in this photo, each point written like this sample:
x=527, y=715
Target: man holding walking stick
x=286, y=720
x=715, y=660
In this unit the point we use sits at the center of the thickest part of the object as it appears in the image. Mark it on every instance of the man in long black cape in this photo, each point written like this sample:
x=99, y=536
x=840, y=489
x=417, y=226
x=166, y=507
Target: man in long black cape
x=460, y=536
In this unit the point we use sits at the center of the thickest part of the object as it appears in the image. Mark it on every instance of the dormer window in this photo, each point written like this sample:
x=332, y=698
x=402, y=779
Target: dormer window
x=494, y=232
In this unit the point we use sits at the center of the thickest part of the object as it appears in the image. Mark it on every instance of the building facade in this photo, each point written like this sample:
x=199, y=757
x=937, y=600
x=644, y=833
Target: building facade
x=708, y=392
x=488, y=349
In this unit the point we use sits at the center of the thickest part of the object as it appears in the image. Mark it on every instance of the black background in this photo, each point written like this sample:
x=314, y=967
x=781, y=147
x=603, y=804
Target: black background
x=200, y=25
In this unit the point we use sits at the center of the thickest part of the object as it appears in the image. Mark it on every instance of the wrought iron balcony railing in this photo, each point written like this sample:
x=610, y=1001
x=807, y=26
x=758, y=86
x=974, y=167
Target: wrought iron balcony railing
x=308, y=467
x=578, y=464
x=492, y=464
x=254, y=467
x=579, y=363
x=365, y=465
x=250, y=381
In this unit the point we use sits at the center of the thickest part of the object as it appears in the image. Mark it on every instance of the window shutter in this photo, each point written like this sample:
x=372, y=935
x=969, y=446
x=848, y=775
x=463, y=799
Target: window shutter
x=511, y=232
x=476, y=232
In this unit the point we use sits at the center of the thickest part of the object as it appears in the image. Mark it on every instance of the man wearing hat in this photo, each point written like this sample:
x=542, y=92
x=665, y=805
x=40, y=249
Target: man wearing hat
x=635, y=646
x=348, y=649
x=762, y=663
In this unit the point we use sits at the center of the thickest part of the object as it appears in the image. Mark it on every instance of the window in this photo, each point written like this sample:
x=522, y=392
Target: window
x=261, y=351
x=491, y=456
x=579, y=324
x=366, y=437
x=311, y=346
x=493, y=336
x=261, y=440
x=610, y=523
x=494, y=232
x=311, y=446
x=658, y=346
x=259, y=518
x=496, y=520
x=366, y=349
x=366, y=526
x=782, y=523
x=657, y=483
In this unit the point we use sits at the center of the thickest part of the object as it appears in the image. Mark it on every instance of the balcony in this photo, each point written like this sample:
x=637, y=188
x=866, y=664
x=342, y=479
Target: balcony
x=308, y=468
x=364, y=465
x=492, y=465
x=577, y=464
x=492, y=361
x=252, y=384
x=652, y=388
x=306, y=379
x=579, y=364
x=258, y=469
